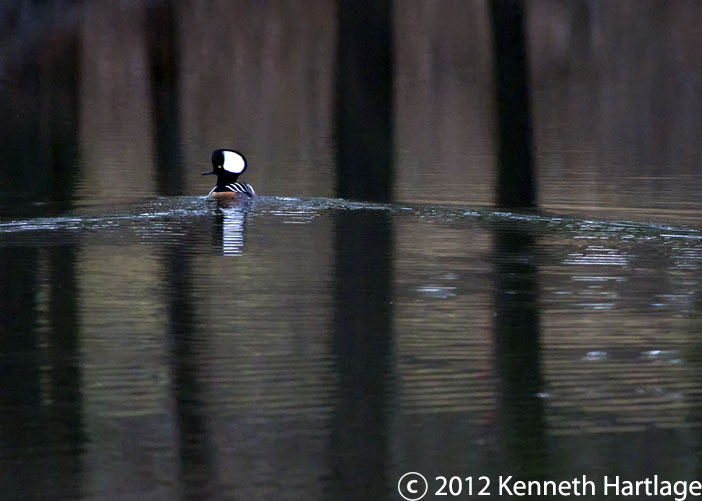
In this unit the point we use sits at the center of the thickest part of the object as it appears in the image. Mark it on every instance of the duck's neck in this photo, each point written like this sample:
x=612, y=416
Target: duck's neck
x=226, y=178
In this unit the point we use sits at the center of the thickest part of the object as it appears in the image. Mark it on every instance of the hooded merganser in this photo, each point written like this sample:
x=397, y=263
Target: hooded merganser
x=228, y=165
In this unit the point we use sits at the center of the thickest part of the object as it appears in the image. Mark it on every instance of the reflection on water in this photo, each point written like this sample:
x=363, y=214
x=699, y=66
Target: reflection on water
x=232, y=222
x=156, y=344
x=231, y=226
x=517, y=333
x=338, y=352
x=363, y=345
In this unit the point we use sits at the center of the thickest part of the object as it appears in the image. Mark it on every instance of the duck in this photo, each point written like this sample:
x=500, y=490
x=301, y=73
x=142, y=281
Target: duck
x=228, y=165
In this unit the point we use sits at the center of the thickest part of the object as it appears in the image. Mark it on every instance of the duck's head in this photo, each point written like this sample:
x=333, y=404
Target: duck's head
x=227, y=165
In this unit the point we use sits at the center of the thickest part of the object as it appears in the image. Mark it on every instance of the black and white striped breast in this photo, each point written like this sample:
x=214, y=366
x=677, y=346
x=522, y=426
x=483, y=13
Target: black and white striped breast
x=243, y=188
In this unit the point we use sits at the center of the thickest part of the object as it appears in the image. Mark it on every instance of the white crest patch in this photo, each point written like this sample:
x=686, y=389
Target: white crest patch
x=233, y=162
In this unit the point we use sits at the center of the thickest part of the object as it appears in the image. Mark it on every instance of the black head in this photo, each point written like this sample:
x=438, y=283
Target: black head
x=227, y=165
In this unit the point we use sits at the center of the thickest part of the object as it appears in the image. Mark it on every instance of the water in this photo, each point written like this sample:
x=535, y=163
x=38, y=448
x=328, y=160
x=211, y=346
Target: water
x=155, y=344
x=316, y=347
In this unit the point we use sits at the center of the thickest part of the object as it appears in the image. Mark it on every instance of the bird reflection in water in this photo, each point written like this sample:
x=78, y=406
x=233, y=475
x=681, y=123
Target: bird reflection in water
x=230, y=220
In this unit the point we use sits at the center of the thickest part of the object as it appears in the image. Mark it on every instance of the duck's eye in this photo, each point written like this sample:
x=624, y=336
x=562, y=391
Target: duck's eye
x=219, y=166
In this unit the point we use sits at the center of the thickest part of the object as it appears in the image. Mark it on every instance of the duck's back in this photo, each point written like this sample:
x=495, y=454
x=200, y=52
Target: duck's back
x=232, y=190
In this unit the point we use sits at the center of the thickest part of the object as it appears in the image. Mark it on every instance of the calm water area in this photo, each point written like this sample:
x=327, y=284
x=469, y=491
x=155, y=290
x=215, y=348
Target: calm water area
x=155, y=344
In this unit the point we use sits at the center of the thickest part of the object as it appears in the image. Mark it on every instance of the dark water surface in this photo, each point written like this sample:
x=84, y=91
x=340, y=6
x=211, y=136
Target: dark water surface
x=318, y=349
x=158, y=345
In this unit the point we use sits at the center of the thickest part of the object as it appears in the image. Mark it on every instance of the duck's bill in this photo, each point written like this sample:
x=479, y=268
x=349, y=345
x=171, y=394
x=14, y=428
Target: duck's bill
x=208, y=173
